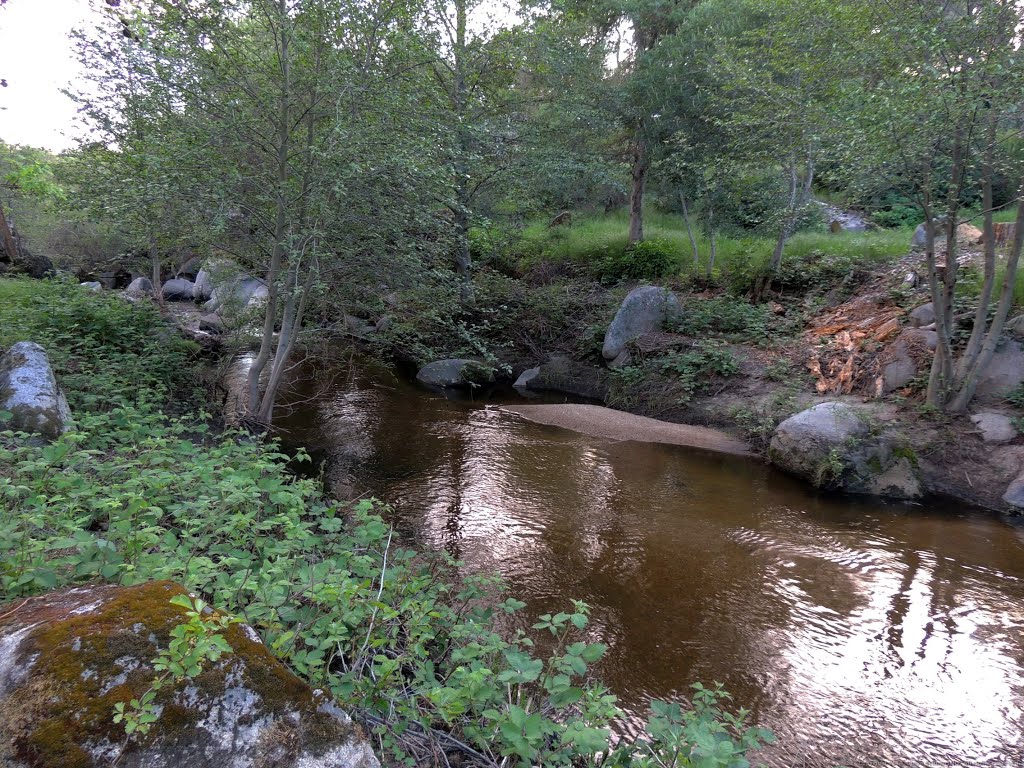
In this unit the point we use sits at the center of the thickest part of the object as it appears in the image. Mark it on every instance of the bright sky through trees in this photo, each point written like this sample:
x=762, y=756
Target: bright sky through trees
x=36, y=61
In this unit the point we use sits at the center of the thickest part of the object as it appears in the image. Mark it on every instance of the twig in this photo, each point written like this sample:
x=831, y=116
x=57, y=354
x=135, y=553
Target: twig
x=15, y=610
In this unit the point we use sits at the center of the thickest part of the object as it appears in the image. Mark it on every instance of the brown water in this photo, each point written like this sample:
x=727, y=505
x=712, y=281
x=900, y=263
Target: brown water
x=863, y=634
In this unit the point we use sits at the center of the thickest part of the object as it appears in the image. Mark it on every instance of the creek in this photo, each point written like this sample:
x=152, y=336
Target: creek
x=862, y=633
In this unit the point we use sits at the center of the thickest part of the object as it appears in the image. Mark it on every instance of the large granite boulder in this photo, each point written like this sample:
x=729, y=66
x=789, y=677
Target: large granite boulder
x=29, y=391
x=644, y=310
x=66, y=658
x=178, y=289
x=836, y=447
x=455, y=372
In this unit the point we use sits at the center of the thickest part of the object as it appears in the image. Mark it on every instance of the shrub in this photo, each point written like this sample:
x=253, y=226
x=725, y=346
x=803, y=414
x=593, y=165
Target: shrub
x=646, y=260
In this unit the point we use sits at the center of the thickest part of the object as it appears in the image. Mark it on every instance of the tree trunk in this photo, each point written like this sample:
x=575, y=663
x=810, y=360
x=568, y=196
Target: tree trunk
x=460, y=102
x=291, y=325
x=978, y=332
x=254, y=405
x=7, y=238
x=714, y=245
x=940, y=380
x=1006, y=298
x=689, y=231
x=154, y=263
x=641, y=164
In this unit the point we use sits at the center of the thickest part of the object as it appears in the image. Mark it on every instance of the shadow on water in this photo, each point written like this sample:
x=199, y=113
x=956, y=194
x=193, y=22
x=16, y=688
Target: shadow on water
x=863, y=634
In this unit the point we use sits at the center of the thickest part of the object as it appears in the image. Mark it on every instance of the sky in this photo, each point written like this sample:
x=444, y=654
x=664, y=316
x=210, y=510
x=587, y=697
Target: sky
x=36, y=60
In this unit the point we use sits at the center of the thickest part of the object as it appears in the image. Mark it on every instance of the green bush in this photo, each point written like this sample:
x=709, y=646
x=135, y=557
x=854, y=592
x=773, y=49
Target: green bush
x=646, y=260
x=898, y=215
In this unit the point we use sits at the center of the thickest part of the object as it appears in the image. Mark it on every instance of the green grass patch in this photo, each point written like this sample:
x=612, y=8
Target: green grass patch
x=592, y=241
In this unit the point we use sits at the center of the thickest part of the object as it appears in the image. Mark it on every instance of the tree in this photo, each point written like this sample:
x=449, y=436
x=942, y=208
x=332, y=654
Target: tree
x=936, y=90
x=266, y=105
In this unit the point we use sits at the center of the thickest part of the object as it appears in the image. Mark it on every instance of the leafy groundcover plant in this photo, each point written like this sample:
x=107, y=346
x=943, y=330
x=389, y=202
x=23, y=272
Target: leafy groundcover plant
x=135, y=493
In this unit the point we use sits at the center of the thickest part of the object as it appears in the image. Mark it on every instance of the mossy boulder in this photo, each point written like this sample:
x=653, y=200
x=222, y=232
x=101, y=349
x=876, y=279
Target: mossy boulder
x=838, y=447
x=67, y=657
x=29, y=391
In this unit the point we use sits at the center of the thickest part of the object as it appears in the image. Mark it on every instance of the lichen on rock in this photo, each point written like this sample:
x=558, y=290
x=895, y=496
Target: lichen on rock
x=66, y=658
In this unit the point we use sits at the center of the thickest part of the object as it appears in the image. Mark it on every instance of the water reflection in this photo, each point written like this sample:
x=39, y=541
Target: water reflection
x=864, y=635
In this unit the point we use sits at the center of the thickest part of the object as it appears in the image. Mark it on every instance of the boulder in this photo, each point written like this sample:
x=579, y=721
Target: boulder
x=202, y=290
x=1015, y=327
x=359, y=326
x=92, y=285
x=211, y=323
x=454, y=373
x=178, y=289
x=833, y=446
x=922, y=315
x=190, y=269
x=29, y=391
x=644, y=310
x=918, y=238
x=1005, y=372
x=139, y=287
x=67, y=657
x=237, y=294
x=563, y=374
x=968, y=234
x=996, y=428
x=526, y=377
x=904, y=359
x=1014, y=494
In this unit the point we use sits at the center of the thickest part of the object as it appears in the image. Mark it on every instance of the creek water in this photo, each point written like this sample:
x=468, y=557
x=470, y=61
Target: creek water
x=861, y=633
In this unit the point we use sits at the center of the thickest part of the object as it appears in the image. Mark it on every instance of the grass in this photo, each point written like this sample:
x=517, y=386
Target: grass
x=591, y=238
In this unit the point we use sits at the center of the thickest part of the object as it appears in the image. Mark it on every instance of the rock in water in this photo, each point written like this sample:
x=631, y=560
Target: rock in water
x=644, y=310
x=178, y=289
x=211, y=323
x=455, y=372
x=29, y=391
x=66, y=658
x=833, y=446
x=526, y=377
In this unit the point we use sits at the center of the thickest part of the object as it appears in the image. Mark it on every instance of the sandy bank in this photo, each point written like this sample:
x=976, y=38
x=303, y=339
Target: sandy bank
x=597, y=421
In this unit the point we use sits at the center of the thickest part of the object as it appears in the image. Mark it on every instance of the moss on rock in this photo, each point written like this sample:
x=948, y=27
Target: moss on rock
x=66, y=658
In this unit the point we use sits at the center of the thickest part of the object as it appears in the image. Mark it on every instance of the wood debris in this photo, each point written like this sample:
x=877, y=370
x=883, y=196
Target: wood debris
x=846, y=340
